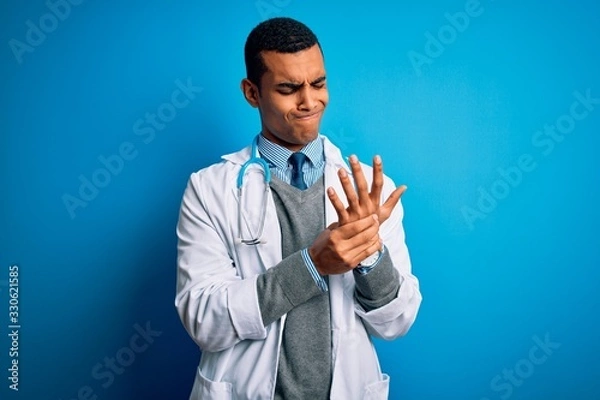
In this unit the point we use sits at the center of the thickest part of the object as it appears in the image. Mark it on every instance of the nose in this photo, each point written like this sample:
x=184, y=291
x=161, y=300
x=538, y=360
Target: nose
x=307, y=98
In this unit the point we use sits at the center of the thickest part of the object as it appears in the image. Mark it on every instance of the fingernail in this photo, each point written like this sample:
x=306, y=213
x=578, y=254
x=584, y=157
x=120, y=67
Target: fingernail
x=343, y=173
x=330, y=191
x=377, y=159
x=353, y=158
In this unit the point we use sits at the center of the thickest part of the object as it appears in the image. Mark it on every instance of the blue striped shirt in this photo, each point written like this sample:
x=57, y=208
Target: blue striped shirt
x=278, y=159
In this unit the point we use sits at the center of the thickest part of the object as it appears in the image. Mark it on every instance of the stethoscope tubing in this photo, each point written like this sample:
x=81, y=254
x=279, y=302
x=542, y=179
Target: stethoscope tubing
x=254, y=159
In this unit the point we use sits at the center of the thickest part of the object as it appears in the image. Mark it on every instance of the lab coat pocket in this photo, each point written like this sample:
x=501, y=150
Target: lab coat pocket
x=378, y=390
x=205, y=389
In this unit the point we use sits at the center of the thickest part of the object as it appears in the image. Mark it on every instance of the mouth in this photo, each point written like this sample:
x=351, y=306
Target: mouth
x=309, y=117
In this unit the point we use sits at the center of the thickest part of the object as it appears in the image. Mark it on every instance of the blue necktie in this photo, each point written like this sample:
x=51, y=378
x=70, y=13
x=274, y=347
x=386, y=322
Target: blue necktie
x=297, y=160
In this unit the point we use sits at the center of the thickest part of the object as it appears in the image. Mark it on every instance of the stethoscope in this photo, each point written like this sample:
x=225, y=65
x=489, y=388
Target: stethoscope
x=254, y=160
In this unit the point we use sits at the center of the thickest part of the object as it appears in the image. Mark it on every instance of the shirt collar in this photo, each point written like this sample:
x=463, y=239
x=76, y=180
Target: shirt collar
x=278, y=156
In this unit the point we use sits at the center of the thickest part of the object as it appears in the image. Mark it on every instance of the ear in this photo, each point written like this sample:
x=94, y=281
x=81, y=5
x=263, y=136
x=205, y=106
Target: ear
x=250, y=92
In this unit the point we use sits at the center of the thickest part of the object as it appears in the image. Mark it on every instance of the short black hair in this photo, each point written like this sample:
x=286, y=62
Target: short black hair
x=280, y=34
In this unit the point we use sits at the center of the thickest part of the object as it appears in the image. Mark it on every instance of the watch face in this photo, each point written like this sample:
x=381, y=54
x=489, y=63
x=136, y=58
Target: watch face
x=372, y=259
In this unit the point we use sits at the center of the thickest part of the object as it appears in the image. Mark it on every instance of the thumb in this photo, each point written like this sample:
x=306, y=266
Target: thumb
x=333, y=226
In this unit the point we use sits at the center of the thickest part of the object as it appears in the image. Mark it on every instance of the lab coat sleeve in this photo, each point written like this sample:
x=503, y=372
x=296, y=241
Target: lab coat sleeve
x=217, y=308
x=396, y=317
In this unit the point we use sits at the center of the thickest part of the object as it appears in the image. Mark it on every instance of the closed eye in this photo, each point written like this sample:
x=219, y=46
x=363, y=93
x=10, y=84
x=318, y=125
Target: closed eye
x=287, y=88
x=319, y=82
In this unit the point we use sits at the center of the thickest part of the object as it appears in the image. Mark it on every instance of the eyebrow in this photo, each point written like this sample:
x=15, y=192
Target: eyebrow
x=296, y=86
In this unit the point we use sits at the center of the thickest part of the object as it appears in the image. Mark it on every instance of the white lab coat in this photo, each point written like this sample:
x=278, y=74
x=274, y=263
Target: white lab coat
x=217, y=298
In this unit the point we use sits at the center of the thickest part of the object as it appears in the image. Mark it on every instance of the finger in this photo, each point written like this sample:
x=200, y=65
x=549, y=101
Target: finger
x=340, y=208
x=349, y=248
x=354, y=228
x=366, y=237
x=360, y=181
x=386, y=209
x=352, y=251
x=348, y=190
x=363, y=251
x=377, y=185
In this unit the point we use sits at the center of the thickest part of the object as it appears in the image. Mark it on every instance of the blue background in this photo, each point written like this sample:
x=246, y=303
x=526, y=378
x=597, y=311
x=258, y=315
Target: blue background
x=490, y=285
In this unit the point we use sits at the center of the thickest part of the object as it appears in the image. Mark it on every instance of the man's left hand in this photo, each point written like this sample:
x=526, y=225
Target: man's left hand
x=361, y=202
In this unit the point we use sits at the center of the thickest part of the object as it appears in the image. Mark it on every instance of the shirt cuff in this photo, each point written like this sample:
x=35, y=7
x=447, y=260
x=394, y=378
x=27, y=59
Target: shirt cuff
x=366, y=270
x=313, y=271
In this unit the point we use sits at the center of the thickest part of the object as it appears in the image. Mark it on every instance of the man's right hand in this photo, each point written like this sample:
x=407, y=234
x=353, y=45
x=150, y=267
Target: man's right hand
x=339, y=249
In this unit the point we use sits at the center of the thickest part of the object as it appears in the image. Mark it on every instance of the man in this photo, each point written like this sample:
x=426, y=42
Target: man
x=283, y=283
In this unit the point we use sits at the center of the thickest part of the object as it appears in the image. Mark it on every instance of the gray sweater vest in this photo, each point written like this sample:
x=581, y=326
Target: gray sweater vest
x=304, y=370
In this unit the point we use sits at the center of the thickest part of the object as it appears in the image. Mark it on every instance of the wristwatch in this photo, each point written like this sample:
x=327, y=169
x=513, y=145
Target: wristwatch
x=371, y=260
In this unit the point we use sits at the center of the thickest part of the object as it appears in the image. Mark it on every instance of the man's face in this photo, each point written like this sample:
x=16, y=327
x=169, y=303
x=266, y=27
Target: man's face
x=293, y=97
